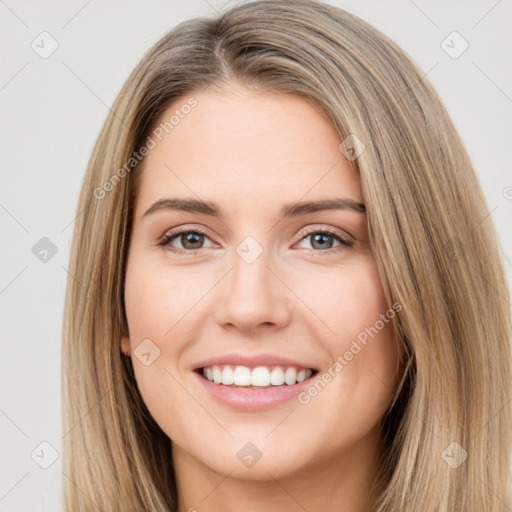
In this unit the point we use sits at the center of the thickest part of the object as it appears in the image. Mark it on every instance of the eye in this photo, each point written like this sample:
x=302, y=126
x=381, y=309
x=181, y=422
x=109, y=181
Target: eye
x=191, y=240
x=323, y=239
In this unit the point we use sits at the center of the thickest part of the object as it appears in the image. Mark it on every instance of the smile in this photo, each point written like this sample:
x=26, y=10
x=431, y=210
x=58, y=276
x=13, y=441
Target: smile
x=259, y=377
x=257, y=388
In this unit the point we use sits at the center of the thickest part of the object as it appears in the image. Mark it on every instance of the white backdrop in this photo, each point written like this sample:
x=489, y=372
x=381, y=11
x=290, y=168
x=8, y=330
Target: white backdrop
x=63, y=63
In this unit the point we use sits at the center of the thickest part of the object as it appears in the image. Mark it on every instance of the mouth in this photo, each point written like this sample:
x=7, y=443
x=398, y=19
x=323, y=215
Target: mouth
x=256, y=378
x=253, y=382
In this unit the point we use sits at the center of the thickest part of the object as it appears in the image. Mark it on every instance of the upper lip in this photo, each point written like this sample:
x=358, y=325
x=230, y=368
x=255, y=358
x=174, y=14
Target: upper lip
x=252, y=361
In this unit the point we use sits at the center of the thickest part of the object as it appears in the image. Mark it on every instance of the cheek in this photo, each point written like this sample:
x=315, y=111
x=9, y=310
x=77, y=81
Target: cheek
x=154, y=306
x=157, y=299
x=160, y=304
x=346, y=300
x=355, y=330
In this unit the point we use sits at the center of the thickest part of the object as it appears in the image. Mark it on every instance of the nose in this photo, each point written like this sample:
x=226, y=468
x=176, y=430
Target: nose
x=253, y=297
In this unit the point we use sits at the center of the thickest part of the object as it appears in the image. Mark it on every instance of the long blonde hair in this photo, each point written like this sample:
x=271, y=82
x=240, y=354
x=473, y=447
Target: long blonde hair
x=431, y=236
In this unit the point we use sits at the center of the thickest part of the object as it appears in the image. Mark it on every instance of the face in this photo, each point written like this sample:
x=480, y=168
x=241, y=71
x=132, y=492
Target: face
x=254, y=296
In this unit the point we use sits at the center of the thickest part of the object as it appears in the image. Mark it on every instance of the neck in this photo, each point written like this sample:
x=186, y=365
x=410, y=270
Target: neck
x=340, y=482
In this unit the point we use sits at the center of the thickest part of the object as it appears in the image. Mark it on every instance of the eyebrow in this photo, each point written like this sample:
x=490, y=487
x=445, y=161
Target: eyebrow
x=290, y=210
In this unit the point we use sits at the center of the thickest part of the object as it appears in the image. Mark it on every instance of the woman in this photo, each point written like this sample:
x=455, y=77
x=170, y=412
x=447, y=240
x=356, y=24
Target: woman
x=248, y=370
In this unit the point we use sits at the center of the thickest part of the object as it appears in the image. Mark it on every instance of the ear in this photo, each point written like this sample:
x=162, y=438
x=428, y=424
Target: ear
x=125, y=345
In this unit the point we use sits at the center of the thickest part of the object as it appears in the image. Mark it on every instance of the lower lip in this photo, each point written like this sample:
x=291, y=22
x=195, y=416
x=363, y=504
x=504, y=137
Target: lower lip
x=245, y=399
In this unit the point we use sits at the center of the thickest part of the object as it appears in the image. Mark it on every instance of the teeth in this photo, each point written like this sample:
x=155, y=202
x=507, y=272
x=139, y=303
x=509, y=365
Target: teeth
x=277, y=376
x=242, y=376
x=261, y=376
x=227, y=375
x=217, y=376
x=290, y=376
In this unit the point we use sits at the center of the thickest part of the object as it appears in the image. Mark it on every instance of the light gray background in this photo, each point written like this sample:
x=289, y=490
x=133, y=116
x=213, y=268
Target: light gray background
x=51, y=113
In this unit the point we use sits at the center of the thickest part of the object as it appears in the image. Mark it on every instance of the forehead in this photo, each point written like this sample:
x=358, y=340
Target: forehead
x=247, y=148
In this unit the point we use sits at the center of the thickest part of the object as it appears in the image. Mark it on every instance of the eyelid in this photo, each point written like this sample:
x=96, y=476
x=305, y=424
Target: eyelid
x=186, y=228
x=345, y=235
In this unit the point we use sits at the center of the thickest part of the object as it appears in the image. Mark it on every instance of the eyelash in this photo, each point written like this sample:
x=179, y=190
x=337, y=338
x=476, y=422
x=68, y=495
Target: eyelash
x=344, y=242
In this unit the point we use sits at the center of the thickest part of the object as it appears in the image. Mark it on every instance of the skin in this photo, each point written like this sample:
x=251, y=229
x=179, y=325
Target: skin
x=253, y=152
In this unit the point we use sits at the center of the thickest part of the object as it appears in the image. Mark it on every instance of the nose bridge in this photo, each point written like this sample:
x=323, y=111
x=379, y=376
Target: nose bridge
x=251, y=272
x=253, y=295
